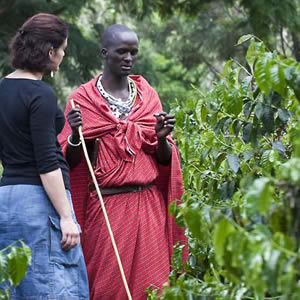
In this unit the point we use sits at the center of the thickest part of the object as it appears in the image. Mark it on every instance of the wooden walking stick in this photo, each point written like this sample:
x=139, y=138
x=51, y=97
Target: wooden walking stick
x=103, y=208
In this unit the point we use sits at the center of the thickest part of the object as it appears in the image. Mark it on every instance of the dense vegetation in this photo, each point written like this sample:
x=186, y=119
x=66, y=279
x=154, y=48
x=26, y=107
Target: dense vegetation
x=237, y=127
x=240, y=145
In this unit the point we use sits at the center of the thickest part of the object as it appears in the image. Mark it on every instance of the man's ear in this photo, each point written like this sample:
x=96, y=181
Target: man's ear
x=103, y=52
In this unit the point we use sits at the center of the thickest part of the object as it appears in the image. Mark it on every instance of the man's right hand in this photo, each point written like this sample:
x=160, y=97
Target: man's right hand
x=73, y=154
x=75, y=119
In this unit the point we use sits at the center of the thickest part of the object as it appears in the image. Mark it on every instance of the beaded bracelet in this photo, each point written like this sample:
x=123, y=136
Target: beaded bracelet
x=71, y=144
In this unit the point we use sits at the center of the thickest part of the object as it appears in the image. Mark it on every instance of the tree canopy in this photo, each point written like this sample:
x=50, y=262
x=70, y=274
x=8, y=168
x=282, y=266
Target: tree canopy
x=183, y=43
x=77, y=66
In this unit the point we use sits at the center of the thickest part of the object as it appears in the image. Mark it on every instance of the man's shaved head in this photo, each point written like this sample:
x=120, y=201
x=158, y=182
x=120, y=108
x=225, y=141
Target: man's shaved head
x=112, y=32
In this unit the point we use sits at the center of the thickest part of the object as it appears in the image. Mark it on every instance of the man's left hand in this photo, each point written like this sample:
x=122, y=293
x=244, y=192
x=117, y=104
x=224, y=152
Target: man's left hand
x=164, y=124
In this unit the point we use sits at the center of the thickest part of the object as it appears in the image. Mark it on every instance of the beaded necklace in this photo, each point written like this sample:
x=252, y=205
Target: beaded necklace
x=119, y=108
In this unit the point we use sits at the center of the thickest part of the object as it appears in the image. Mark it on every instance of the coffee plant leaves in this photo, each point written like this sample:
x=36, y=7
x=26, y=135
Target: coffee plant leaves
x=233, y=162
x=235, y=103
x=18, y=260
x=283, y=114
x=219, y=159
x=259, y=110
x=236, y=125
x=3, y=266
x=261, y=74
x=14, y=261
x=290, y=171
x=196, y=222
x=279, y=146
x=222, y=230
x=247, y=109
x=277, y=78
x=268, y=119
x=240, y=148
x=247, y=132
x=244, y=38
x=260, y=195
x=254, y=51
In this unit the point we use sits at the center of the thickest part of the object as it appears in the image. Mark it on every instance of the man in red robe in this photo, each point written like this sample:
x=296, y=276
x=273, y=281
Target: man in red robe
x=137, y=168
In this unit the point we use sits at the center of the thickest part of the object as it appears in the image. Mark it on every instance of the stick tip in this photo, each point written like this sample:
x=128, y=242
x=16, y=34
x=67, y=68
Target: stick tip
x=72, y=103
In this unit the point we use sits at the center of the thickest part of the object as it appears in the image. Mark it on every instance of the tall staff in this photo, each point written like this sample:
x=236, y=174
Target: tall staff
x=103, y=208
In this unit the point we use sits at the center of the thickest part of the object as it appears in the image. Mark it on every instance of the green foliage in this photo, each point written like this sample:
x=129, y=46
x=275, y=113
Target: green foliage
x=274, y=21
x=239, y=144
x=189, y=48
x=186, y=47
x=14, y=261
x=78, y=65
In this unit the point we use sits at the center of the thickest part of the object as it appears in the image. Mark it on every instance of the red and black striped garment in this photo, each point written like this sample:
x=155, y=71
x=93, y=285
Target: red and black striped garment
x=143, y=229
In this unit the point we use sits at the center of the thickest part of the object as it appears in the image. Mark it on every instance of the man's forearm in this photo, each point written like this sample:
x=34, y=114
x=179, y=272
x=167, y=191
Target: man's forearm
x=73, y=153
x=164, y=151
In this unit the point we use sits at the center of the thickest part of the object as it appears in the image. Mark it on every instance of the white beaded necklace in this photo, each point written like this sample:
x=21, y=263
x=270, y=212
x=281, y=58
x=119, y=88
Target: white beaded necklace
x=119, y=108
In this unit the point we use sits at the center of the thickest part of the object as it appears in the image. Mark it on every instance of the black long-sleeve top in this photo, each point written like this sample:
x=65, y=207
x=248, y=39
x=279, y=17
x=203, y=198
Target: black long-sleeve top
x=30, y=121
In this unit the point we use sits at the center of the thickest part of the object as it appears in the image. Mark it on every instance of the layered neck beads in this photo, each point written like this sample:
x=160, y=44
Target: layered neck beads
x=120, y=108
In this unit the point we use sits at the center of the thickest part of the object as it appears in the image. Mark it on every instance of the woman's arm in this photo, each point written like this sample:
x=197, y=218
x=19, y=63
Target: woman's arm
x=43, y=111
x=54, y=187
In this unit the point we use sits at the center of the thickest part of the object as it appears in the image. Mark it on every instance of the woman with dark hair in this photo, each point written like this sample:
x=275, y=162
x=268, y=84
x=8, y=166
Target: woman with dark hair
x=35, y=199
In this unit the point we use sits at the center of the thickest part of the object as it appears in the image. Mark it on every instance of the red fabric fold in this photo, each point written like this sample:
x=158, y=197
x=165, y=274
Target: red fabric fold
x=126, y=156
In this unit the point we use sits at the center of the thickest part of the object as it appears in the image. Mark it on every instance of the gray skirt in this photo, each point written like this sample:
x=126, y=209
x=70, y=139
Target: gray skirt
x=27, y=214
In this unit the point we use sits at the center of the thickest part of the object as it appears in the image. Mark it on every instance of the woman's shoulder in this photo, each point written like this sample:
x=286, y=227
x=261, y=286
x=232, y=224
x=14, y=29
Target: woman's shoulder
x=43, y=86
x=27, y=84
x=39, y=91
x=42, y=89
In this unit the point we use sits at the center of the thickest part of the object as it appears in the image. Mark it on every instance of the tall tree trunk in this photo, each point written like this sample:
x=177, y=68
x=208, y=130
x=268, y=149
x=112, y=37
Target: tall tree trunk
x=296, y=46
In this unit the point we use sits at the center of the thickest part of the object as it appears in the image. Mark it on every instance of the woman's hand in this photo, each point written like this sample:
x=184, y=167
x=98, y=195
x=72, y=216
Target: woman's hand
x=70, y=233
x=164, y=124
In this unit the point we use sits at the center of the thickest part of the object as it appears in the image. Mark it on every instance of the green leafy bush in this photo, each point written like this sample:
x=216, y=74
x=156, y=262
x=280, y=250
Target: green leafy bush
x=240, y=147
x=14, y=261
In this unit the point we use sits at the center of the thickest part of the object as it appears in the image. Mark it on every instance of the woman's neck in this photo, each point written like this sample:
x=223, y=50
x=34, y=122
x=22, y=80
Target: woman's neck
x=19, y=73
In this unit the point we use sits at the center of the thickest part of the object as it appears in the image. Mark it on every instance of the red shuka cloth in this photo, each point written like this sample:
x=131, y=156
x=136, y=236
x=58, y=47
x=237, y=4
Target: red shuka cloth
x=144, y=231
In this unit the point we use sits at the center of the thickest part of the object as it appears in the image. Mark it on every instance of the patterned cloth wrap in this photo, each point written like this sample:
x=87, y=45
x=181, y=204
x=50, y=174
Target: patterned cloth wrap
x=144, y=231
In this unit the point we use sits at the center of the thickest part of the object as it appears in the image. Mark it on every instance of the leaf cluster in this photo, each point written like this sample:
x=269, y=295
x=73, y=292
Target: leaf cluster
x=14, y=261
x=239, y=144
